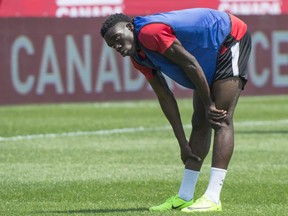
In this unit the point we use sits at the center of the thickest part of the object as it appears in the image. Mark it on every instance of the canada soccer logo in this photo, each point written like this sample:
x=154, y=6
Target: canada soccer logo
x=251, y=7
x=88, y=8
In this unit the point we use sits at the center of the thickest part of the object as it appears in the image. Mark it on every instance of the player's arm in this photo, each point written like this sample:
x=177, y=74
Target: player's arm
x=161, y=38
x=166, y=99
x=158, y=37
x=178, y=55
x=170, y=109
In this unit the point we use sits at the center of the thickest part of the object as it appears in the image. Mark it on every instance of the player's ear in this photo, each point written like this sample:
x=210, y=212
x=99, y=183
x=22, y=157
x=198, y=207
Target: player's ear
x=130, y=26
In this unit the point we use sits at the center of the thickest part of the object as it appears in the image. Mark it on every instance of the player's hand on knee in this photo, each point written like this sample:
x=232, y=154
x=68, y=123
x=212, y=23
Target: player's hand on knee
x=215, y=116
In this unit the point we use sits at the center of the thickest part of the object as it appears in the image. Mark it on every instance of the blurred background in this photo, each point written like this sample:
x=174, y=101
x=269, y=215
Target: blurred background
x=51, y=50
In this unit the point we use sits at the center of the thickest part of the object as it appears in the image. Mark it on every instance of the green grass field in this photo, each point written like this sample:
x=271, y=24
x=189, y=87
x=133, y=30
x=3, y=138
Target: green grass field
x=121, y=158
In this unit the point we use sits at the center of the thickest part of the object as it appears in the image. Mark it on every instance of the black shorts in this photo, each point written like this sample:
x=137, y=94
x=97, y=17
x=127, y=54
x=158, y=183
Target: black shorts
x=233, y=62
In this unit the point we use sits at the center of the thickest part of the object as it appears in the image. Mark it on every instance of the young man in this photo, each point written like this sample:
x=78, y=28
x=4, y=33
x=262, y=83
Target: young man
x=202, y=49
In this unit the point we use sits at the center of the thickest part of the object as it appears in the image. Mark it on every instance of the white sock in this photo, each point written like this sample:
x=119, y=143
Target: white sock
x=216, y=181
x=187, y=188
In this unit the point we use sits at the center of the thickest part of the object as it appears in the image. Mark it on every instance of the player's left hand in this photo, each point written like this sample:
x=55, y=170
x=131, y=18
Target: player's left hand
x=215, y=116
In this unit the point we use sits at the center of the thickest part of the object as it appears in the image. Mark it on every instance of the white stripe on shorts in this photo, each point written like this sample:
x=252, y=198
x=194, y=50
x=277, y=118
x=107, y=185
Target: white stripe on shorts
x=235, y=57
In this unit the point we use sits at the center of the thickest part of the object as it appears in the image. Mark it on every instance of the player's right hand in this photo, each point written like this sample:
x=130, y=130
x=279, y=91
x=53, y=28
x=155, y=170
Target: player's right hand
x=186, y=153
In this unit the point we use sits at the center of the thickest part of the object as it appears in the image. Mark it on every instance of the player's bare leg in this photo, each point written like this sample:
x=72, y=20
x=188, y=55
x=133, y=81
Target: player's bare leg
x=224, y=136
x=200, y=138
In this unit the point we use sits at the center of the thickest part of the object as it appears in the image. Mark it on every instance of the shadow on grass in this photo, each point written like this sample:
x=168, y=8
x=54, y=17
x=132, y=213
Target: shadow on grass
x=83, y=211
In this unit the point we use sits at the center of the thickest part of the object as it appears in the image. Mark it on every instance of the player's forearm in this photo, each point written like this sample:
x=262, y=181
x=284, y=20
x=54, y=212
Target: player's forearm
x=197, y=77
x=177, y=54
x=170, y=109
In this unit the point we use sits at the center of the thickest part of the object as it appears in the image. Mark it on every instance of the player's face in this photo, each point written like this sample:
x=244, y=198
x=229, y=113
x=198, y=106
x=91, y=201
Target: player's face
x=121, y=38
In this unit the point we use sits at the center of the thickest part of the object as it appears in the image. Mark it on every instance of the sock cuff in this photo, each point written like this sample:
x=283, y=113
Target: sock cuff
x=218, y=169
x=191, y=171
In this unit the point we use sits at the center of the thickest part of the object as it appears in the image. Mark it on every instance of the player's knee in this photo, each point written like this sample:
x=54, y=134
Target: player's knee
x=227, y=122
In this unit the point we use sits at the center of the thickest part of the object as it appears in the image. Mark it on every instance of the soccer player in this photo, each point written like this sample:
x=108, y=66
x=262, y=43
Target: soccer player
x=201, y=49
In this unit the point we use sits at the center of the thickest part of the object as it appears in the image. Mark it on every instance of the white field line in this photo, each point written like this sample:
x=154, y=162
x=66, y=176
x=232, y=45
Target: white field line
x=130, y=130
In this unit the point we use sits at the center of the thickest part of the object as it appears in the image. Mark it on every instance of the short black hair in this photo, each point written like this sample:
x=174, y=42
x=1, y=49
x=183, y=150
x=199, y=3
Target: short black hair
x=113, y=20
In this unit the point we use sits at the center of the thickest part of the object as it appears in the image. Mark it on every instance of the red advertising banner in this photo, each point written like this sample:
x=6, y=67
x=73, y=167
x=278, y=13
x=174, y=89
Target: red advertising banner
x=96, y=8
x=66, y=60
x=237, y=7
x=60, y=8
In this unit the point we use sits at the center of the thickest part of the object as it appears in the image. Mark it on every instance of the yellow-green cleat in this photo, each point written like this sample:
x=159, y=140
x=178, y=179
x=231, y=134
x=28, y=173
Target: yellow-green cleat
x=203, y=205
x=173, y=203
